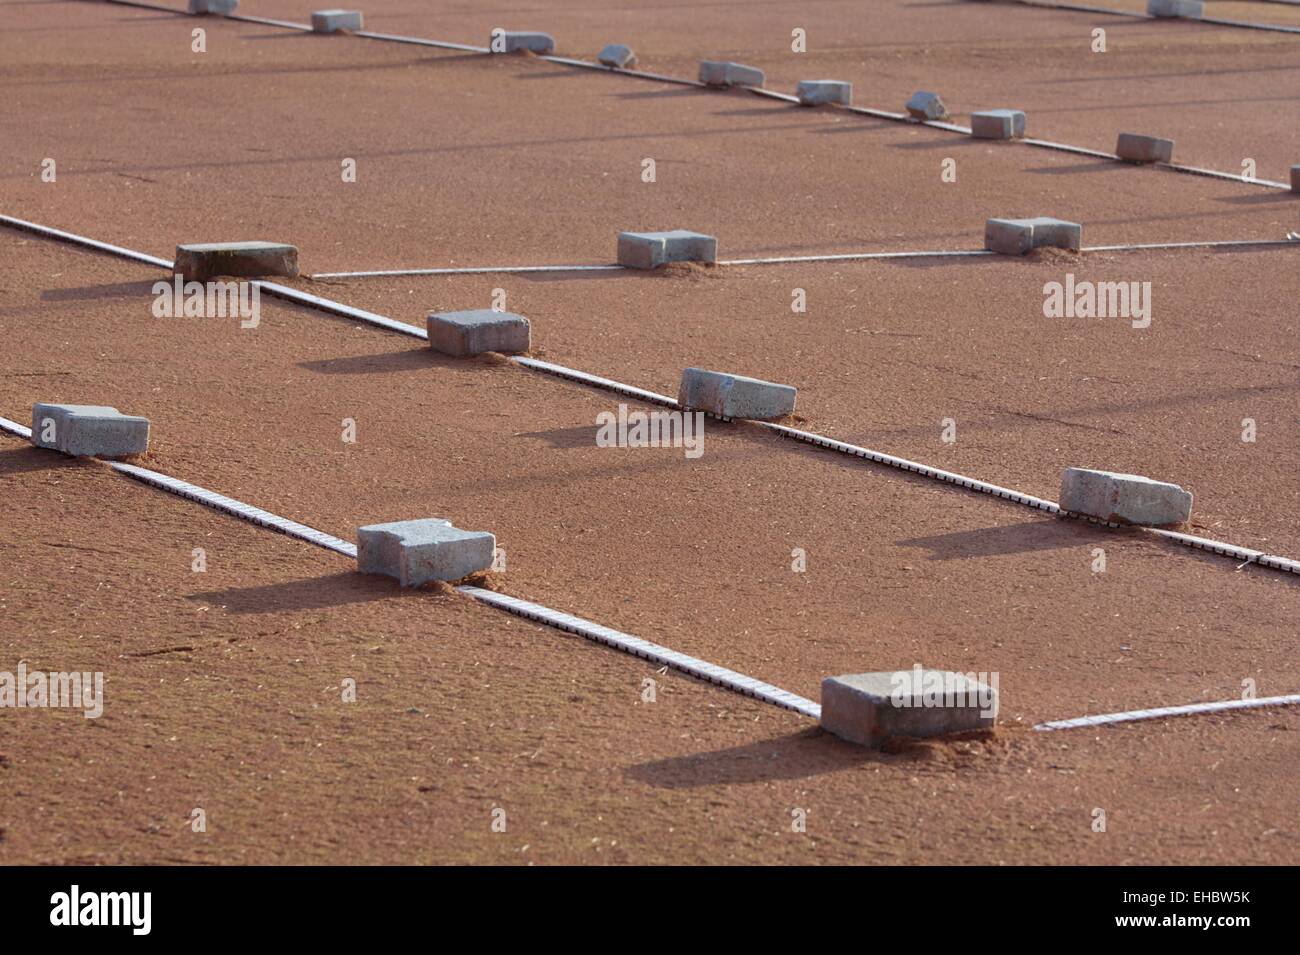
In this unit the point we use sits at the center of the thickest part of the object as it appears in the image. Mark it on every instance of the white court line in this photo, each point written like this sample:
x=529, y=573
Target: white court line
x=1082, y=8
x=627, y=643
x=794, y=259
x=81, y=240
x=856, y=256
x=1220, y=244
x=786, y=97
x=728, y=679
x=470, y=270
x=664, y=656
x=1242, y=554
x=1188, y=709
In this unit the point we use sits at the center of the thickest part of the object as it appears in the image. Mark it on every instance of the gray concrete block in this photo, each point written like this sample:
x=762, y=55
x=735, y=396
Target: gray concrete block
x=416, y=552
x=870, y=708
x=817, y=92
x=1187, y=9
x=213, y=6
x=516, y=40
x=89, y=430
x=649, y=250
x=1123, y=498
x=925, y=105
x=1295, y=178
x=477, y=331
x=201, y=261
x=722, y=73
x=331, y=21
x=1018, y=236
x=1133, y=147
x=734, y=396
x=617, y=54
x=997, y=124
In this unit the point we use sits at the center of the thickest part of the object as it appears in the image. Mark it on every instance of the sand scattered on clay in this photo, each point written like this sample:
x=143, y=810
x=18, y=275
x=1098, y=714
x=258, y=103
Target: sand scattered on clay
x=1051, y=256
x=691, y=270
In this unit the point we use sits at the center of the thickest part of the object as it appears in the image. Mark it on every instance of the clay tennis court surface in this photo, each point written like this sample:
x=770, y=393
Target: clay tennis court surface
x=223, y=688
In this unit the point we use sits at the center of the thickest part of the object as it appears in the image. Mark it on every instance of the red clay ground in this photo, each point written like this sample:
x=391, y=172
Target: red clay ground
x=224, y=688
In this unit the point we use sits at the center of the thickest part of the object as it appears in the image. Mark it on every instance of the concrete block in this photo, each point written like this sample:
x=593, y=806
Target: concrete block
x=1295, y=178
x=1018, y=236
x=516, y=41
x=1124, y=498
x=477, y=331
x=331, y=21
x=720, y=73
x=89, y=430
x=997, y=124
x=649, y=250
x=416, y=552
x=870, y=708
x=734, y=396
x=617, y=54
x=817, y=92
x=1188, y=9
x=925, y=105
x=213, y=6
x=202, y=261
x=1134, y=148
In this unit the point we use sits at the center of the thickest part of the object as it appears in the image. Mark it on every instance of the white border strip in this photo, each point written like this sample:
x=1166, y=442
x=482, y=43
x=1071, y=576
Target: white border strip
x=595, y=381
x=81, y=240
x=338, y=308
x=710, y=673
x=1243, y=554
x=692, y=666
x=786, y=97
x=472, y=270
x=1188, y=709
x=13, y=427
x=831, y=257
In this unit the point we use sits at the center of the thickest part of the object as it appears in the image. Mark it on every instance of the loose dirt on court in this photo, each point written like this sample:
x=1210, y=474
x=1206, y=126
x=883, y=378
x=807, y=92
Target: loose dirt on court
x=478, y=736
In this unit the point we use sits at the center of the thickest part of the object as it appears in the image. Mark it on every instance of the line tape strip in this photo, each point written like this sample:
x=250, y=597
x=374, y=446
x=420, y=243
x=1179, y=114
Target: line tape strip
x=833, y=257
x=720, y=676
x=1188, y=709
x=692, y=666
x=709, y=672
x=81, y=240
x=785, y=97
x=1243, y=554
x=471, y=270
x=1081, y=8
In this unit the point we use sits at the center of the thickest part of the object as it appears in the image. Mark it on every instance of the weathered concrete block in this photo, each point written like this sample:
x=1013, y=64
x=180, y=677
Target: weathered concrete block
x=1295, y=178
x=416, y=552
x=817, y=92
x=477, y=331
x=331, y=21
x=997, y=124
x=89, y=430
x=199, y=262
x=870, y=708
x=213, y=6
x=617, y=54
x=649, y=250
x=925, y=105
x=1188, y=9
x=734, y=396
x=1135, y=148
x=722, y=73
x=515, y=41
x=1123, y=498
x=1018, y=236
